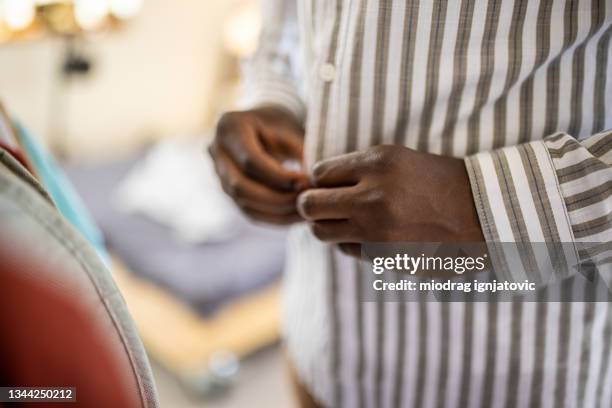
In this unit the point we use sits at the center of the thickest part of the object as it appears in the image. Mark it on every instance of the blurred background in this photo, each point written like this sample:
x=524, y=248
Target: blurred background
x=118, y=98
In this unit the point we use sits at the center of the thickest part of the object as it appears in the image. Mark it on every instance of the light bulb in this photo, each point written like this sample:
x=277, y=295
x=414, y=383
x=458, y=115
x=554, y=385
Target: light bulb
x=18, y=14
x=90, y=13
x=125, y=9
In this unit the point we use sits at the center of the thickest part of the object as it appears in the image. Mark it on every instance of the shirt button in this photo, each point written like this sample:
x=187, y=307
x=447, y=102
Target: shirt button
x=327, y=72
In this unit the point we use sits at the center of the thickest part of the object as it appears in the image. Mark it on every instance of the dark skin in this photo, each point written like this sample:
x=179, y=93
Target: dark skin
x=248, y=152
x=383, y=194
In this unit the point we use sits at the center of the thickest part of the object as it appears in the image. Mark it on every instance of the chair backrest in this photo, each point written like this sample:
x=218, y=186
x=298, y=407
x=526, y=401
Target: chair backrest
x=62, y=320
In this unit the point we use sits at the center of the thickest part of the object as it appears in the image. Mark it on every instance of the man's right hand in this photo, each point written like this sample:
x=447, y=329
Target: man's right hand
x=248, y=152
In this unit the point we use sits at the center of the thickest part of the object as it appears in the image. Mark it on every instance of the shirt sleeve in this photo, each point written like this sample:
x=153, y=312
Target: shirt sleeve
x=271, y=75
x=553, y=194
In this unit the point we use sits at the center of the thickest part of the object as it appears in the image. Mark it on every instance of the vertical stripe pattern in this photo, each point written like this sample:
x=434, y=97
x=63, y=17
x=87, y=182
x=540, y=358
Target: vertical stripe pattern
x=520, y=89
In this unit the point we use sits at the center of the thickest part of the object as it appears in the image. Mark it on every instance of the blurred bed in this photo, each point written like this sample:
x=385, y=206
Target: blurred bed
x=201, y=301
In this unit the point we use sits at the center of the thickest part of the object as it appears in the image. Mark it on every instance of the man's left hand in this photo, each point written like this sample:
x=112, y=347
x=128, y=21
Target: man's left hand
x=390, y=194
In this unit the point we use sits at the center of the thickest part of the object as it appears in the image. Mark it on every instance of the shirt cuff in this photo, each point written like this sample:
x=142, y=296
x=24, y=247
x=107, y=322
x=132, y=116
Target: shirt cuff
x=522, y=213
x=277, y=93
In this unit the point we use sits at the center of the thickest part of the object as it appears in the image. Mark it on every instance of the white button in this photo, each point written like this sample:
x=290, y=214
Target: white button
x=327, y=72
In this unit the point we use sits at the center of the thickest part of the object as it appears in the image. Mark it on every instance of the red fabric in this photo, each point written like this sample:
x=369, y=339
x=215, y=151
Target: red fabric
x=18, y=155
x=47, y=339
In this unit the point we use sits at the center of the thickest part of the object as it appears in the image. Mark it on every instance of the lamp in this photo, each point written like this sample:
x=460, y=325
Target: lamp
x=22, y=20
x=18, y=14
x=26, y=19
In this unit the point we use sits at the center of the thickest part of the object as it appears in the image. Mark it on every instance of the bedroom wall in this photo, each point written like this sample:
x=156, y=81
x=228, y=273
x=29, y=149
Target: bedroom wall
x=155, y=77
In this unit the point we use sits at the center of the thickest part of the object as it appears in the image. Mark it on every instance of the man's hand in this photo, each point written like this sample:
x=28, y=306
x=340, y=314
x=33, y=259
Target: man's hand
x=249, y=150
x=390, y=194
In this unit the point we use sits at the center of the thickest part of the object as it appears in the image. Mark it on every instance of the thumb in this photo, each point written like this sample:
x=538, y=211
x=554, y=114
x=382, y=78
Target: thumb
x=291, y=149
x=292, y=146
x=283, y=143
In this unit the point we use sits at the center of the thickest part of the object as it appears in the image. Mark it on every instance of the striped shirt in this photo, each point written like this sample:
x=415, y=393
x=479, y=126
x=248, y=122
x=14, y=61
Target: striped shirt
x=523, y=91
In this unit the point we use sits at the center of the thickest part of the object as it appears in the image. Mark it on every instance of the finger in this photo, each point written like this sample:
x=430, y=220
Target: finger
x=260, y=217
x=249, y=193
x=286, y=146
x=247, y=151
x=326, y=203
x=334, y=231
x=270, y=170
x=350, y=249
x=245, y=195
x=342, y=170
x=263, y=207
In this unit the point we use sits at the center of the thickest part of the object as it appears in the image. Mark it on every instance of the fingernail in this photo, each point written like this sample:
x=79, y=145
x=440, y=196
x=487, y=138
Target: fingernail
x=300, y=185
